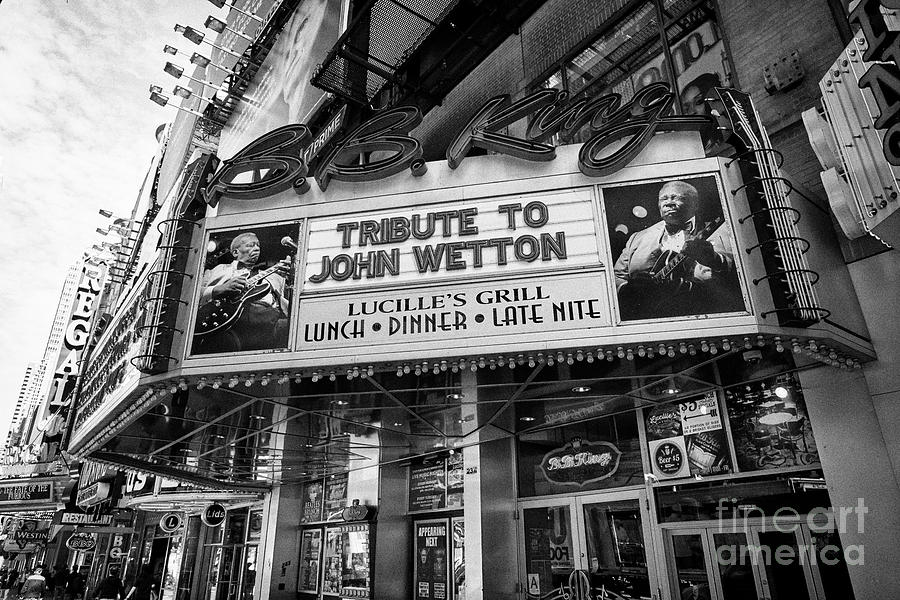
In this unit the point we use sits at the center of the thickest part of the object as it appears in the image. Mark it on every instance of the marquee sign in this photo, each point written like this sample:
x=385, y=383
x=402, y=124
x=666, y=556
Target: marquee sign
x=488, y=236
x=26, y=491
x=627, y=126
x=110, y=372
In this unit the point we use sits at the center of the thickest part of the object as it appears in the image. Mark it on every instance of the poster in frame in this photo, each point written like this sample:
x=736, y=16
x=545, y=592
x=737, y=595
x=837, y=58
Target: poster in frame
x=431, y=569
x=245, y=291
x=310, y=561
x=672, y=249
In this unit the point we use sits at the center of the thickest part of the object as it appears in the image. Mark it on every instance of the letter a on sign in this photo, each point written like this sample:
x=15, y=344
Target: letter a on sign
x=534, y=584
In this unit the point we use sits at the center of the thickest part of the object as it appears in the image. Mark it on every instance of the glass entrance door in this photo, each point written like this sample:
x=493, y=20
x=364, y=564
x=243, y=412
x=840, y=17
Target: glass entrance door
x=754, y=560
x=596, y=543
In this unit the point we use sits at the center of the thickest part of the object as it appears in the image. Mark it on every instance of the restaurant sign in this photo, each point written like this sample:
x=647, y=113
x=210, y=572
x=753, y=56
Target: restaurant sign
x=82, y=542
x=581, y=462
x=74, y=518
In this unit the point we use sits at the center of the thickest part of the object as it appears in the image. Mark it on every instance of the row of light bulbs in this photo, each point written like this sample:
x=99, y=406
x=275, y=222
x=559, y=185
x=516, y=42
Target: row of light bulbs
x=811, y=347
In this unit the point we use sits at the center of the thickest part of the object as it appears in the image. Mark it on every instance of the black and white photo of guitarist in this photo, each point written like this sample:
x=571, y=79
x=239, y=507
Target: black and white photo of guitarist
x=262, y=321
x=678, y=266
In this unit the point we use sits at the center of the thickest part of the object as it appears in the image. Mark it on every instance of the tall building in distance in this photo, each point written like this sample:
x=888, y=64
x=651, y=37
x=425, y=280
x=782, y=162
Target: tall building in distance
x=28, y=399
x=39, y=375
x=60, y=320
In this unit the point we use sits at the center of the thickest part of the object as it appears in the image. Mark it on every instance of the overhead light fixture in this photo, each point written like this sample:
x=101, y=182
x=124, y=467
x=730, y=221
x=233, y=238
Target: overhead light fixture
x=781, y=392
x=581, y=389
x=221, y=4
x=526, y=419
x=214, y=24
x=170, y=50
x=106, y=213
x=672, y=389
x=197, y=38
x=177, y=72
x=456, y=396
x=163, y=100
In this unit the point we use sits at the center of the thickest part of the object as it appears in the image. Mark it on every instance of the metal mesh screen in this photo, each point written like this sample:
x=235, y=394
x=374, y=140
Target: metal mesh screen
x=395, y=30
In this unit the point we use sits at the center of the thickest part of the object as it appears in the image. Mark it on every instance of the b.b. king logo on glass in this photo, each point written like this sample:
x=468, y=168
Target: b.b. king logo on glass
x=580, y=462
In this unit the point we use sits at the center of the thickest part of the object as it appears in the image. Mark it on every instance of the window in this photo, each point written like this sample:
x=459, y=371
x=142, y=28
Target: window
x=630, y=55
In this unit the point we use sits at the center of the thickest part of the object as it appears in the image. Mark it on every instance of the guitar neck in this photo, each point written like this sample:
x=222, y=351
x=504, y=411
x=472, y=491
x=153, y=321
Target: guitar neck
x=680, y=258
x=252, y=281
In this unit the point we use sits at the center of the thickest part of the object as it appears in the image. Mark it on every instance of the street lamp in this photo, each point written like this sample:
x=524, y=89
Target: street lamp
x=200, y=60
x=178, y=72
x=218, y=26
x=157, y=96
x=221, y=4
x=197, y=37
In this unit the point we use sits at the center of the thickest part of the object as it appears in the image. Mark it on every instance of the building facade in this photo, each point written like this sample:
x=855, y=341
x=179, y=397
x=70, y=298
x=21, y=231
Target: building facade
x=522, y=300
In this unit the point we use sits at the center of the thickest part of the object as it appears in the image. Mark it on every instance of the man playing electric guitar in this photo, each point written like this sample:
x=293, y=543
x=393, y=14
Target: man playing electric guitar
x=263, y=322
x=677, y=267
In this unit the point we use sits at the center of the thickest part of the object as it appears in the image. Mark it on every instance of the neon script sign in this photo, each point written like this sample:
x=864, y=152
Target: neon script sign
x=282, y=157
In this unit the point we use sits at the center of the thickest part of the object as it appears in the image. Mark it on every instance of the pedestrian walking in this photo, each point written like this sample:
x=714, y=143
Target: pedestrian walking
x=59, y=579
x=143, y=587
x=76, y=583
x=35, y=585
x=110, y=588
x=4, y=583
x=12, y=583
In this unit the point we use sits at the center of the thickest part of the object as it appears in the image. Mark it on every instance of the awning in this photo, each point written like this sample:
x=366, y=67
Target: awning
x=249, y=432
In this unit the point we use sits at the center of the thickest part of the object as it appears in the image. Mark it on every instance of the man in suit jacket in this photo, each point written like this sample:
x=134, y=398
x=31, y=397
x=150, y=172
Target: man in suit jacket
x=710, y=286
x=263, y=324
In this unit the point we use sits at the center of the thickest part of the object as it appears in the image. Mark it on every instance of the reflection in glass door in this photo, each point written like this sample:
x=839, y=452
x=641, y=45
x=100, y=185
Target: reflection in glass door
x=616, y=554
x=783, y=579
x=733, y=560
x=595, y=541
x=686, y=554
x=549, y=547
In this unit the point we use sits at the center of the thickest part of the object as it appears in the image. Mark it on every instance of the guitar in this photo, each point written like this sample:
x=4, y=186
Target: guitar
x=665, y=290
x=775, y=223
x=221, y=313
x=673, y=269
